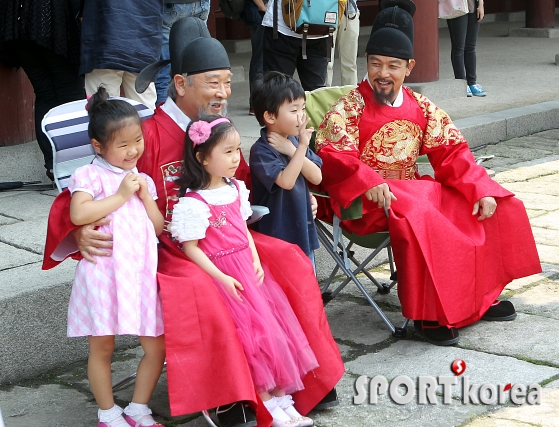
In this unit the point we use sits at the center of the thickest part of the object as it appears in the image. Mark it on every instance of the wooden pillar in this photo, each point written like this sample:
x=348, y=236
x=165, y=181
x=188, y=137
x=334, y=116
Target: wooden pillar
x=426, y=42
x=16, y=107
x=540, y=14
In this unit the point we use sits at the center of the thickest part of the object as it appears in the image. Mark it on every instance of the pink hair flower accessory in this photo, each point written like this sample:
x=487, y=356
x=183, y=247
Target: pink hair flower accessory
x=200, y=131
x=88, y=98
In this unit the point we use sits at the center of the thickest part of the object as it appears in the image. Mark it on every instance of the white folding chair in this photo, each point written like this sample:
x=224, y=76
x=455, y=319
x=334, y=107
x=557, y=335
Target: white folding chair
x=66, y=128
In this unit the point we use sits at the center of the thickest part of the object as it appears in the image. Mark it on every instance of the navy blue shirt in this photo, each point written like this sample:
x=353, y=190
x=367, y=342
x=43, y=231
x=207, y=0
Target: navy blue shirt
x=122, y=35
x=290, y=216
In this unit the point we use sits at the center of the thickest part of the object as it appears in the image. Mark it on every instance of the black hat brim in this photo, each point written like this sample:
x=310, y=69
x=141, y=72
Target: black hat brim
x=148, y=74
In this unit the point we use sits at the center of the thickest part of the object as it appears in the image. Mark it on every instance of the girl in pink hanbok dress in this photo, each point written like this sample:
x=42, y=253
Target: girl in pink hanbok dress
x=117, y=294
x=209, y=224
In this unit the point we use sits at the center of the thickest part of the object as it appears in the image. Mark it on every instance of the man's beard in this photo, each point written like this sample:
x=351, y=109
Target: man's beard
x=383, y=98
x=207, y=110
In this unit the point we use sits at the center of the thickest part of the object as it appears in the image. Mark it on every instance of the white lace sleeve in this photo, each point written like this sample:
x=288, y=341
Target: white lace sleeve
x=190, y=219
x=246, y=211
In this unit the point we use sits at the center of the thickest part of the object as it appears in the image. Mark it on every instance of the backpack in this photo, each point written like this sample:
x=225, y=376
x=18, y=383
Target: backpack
x=232, y=9
x=310, y=17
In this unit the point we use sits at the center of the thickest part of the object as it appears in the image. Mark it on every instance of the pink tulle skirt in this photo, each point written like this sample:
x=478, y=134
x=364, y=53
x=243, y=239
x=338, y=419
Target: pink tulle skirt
x=277, y=350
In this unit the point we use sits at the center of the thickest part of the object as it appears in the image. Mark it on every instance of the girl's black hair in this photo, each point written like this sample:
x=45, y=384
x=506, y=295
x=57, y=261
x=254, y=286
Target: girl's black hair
x=194, y=176
x=106, y=116
x=270, y=93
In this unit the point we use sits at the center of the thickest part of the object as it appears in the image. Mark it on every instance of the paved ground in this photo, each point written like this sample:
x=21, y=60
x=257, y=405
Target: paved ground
x=523, y=352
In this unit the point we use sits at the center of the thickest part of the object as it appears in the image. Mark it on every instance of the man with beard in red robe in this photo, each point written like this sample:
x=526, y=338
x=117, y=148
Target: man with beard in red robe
x=206, y=365
x=459, y=238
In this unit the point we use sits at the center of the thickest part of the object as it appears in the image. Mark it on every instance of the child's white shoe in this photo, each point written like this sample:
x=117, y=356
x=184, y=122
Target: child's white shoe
x=286, y=403
x=280, y=418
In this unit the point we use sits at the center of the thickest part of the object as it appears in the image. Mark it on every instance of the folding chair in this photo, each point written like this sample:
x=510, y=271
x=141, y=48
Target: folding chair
x=66, y=128
x=318, y=103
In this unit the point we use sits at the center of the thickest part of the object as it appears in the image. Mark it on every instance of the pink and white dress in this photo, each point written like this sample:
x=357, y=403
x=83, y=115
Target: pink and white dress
x=276, y=348
x=118, y=295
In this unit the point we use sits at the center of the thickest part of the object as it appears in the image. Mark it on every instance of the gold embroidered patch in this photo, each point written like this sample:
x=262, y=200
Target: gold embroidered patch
x=394, y=147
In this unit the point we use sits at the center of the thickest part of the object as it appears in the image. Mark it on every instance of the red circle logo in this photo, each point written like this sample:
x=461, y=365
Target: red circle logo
x=458, y=367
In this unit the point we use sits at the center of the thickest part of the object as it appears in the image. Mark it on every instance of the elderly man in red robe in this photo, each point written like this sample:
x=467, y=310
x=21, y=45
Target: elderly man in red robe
x=459, y=238
x=206, y=365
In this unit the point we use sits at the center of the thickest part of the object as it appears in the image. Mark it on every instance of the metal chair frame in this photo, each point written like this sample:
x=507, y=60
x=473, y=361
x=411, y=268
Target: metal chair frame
x=333, y=243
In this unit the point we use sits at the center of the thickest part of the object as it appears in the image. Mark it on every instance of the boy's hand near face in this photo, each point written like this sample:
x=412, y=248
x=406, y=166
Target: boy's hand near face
x=304, y=133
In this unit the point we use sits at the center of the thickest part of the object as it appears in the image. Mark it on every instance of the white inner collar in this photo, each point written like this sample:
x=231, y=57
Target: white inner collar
x=175, y=113
x=100, y=161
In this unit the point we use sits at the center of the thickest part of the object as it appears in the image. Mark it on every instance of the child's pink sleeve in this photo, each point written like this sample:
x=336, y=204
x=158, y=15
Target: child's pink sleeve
x=86, y=179
x=151, y=186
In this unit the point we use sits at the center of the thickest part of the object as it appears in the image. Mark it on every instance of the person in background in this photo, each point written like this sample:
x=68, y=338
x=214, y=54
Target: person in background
x=252, y=16
x=173, y=10
x=118, y=40
x=463, y=37
x=43, y=37
x=347, y=36
x=285, y=54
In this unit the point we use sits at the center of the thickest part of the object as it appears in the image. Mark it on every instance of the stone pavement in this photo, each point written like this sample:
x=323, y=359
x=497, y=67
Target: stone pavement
x=55, y=394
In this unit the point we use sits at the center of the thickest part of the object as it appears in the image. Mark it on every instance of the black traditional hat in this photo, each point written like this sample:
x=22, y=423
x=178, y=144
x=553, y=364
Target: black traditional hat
x=392, y=33
x=192, y=50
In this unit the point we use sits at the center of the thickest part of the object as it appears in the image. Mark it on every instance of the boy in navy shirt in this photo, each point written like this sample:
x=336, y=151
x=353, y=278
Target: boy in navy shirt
x=281, y=162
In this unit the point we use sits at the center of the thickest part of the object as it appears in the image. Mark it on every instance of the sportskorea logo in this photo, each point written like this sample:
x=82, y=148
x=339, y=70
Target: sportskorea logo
x=426, y=388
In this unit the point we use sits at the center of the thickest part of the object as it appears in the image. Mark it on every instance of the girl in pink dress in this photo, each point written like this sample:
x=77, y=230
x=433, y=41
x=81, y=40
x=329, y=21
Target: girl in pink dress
x=117, y=294
x=209, y=223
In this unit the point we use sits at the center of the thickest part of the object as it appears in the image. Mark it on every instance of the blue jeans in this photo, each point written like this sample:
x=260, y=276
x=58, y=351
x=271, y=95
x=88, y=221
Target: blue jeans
x=171, y=14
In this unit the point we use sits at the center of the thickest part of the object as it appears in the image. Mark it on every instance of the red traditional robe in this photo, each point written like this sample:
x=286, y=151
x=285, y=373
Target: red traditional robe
x=206, y=365
x=451, y=266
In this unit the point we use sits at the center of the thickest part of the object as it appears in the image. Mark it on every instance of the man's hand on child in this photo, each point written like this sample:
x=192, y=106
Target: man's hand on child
x=129, y=186
x=231, y=286
x=281, y=144
x=304, y=133
x=92, y=242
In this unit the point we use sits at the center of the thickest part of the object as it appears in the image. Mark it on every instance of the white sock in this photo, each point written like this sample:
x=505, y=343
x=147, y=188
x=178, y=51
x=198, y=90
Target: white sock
x=137, y=410
x=286, y=402
x=108, y=415
x=274, y=409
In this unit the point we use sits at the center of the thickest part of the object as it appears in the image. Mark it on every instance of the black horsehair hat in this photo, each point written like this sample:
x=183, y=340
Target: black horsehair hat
x=192, y=51
x=392, y=33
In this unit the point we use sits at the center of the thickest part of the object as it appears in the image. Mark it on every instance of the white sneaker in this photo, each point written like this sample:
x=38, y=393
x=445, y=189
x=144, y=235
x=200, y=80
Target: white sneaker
x=280, y=418
x=286, y=403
